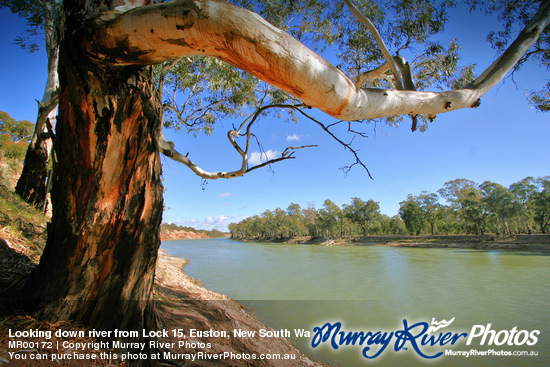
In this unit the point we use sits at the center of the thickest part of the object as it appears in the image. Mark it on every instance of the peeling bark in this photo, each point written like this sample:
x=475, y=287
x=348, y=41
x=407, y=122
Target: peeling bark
x=157, y=33
x=99, y=262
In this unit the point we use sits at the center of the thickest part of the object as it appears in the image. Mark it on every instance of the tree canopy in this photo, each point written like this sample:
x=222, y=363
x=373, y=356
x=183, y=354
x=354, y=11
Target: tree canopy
x=14, y=136
x=466, y=208
x=217, y=91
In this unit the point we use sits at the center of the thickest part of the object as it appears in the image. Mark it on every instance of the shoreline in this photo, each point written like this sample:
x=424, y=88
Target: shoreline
x=482, y=242
x=183, y=303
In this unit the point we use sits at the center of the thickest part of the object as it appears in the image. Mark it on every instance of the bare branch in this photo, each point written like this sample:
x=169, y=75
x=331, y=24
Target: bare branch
x=288, y=153
x=346, y=146
x=168, y=149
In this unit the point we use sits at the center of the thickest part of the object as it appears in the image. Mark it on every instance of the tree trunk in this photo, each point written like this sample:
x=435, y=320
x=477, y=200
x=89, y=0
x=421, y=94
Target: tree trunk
x=99, y=262
x=31, y=185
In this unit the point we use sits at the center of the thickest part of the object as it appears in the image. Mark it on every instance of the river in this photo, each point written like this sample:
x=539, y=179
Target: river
x=372, y=288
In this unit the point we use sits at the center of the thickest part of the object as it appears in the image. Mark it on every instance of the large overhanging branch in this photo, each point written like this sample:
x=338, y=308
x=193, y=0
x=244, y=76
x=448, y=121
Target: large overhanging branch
x=157, y=33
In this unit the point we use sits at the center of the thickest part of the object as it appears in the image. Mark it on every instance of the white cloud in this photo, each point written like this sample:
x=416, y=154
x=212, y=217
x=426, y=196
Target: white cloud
x=257, y=157
x=225, y=194
x=293, y=137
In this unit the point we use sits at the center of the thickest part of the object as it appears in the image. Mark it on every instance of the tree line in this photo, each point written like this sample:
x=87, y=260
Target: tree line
x=467, y=208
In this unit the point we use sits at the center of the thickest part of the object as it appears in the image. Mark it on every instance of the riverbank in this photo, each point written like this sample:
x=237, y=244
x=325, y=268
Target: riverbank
x=181, y=235
x=171, y=232
x=181, y=303
x=522, y=242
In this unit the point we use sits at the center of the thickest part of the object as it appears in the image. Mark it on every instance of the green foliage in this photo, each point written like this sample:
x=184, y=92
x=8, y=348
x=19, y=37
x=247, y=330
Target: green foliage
x=498, y=202
x=362, y=213
x=203, y=90
x=39, y=16
x=514, y=15
x=199, y=91
x=540, y=201
x=471, y=209
x=411, y=213
x=14, y=136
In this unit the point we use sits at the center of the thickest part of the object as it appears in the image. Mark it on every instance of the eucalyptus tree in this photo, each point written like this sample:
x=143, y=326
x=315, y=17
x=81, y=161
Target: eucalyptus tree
x=99, y=262
x=411, y=213
x=431, y=209
x=296, y=220
x=362, y=213
x=465, y=199
x=42, y=18
x=541, y=204
x=522, y=192
x=329, y=217
x=514, y=14
x=499, y=204
x=14, y=136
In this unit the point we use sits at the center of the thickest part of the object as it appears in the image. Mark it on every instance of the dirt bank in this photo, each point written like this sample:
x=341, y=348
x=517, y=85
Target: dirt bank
x=181, y=304
x=181, y=235
x=184, y=304
x=523, y=242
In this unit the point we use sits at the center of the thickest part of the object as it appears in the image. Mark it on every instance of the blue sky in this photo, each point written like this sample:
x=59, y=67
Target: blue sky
x=504, y=140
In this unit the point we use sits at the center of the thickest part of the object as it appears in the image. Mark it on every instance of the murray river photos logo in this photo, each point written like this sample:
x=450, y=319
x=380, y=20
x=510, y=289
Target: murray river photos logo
x=424, y=339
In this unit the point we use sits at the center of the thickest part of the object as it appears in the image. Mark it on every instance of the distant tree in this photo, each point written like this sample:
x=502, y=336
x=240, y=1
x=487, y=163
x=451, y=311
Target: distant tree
x=296, y=220
x=311, y=220
x=14, y=136
x=431, y=209
x=498, y=201
x=411, y=213
x=541, y=204
x=472, y=209
x=464, y=197
x=397, y=226
x=329, y=217
x=362, y=213
x=522, y=192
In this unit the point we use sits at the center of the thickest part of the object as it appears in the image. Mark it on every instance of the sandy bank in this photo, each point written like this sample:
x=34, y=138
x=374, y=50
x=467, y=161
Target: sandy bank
x=522, y=242
x=183, y=303
x=181, y=235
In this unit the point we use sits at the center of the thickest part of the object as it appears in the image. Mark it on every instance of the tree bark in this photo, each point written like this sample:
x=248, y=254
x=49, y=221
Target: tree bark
x=99, y=262
x=31, y=185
